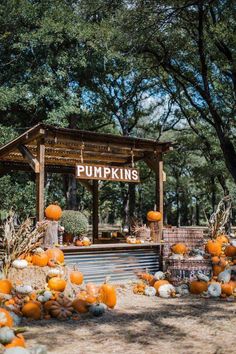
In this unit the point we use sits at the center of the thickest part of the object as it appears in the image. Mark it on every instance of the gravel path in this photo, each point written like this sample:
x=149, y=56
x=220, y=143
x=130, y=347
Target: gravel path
x=140, y=324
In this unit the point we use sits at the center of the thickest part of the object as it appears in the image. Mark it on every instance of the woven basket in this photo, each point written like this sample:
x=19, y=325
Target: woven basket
x=187, y=269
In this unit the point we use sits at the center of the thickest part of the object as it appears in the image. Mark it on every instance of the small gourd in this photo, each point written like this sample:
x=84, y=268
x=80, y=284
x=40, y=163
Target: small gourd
x=166, y=291
x=20, y=263
x=24, y=289
x=6, y=335
x=159, y=275
x=97, y=309
x=150, y=291
x=214, y=290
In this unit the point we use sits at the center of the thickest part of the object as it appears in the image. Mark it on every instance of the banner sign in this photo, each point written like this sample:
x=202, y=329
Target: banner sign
x=109, y=173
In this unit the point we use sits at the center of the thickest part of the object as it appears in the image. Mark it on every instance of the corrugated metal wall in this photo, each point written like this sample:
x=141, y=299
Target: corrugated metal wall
x=120, y=265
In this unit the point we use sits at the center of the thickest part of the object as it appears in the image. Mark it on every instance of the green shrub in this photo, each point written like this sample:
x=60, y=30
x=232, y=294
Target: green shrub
x=74, y=222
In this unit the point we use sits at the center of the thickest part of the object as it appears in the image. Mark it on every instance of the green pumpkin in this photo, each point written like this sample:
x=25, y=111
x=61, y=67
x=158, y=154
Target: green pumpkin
x=97, y=309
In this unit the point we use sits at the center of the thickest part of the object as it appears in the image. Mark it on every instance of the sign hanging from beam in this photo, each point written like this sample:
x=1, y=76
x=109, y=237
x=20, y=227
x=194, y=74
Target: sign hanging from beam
x=108, y=173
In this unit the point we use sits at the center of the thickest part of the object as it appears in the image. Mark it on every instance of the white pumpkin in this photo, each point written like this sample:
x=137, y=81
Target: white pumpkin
x=40, y=298
x=6, y=335
x=38, y=250
x=47, y=295
x=150, y=291
x=214, y=290
x=203, y=277
x=166, y=290
x=224, y=277
x=39, y=349
x=54, y=272
x=182, y=289
x=159, y=275
x=24, y=289
x=177, y=256
x=20, y=263
x=233, y=243
x=16, y=350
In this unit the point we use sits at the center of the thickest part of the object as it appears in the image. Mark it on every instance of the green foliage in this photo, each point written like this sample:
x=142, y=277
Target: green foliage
x=74, y=222
x=164, y=70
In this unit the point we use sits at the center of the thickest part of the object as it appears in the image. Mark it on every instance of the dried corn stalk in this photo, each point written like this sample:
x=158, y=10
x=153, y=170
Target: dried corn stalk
x=218, y=220
x=18, y=240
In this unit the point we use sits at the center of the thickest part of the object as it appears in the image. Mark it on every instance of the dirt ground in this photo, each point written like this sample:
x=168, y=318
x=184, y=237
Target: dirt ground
x=141, y=324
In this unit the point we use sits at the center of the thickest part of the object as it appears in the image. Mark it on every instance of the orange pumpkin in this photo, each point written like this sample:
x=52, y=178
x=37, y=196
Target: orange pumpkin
x=215, y=259
x=40, y=259
x=55, y=254
x=222, y=239
x=107, y=295
x=197, y=287
x=57, y=284
x=227, y=289
x=217, y=269
x=213, y=248
x=18, y=341
x=179, y=248
x=230, y=251
x=53, y=212
x=146, y=277
x=76, y=277
x=32, y=310
x=80, y=306
x=154, y=216
x=5, y=318
x=28, y=258
x=158, y=283
x=5, y=286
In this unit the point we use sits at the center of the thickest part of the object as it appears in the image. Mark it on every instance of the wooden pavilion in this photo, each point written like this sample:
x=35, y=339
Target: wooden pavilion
x=45, y=148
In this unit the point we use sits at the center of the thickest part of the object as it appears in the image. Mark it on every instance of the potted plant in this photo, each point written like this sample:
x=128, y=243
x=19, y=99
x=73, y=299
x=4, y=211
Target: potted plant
x=75, y=224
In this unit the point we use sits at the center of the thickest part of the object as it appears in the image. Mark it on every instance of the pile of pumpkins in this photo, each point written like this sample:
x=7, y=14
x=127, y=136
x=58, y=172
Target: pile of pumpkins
x=154, y=285
x=222, y=252
x=50, y=302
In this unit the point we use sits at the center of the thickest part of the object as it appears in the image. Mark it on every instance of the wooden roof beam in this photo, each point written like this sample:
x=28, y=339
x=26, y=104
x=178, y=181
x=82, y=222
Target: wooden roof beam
x=31, y=134
x=32, y=161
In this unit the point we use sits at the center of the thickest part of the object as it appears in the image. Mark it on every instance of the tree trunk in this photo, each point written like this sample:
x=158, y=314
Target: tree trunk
x=70, y=190
x=197, y=213
x=132, y=201
x=213, y=194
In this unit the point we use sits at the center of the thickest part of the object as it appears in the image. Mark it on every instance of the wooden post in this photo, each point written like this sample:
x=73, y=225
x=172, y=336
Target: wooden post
x=159, y=194
x=40, y=181
x=95, y=210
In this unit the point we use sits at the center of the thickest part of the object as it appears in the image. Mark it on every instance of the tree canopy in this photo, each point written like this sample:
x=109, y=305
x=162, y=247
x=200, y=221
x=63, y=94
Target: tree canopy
x=165, y=70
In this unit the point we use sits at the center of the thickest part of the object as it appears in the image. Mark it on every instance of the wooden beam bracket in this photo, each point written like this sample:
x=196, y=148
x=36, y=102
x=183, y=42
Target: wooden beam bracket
x=33, y=162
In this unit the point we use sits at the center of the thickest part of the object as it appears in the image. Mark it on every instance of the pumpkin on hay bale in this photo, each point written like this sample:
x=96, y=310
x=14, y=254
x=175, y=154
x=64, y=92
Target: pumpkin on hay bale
x=53, y=212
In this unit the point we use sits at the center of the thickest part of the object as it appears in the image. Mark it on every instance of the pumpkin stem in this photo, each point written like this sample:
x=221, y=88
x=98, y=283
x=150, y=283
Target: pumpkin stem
x=107, y=279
